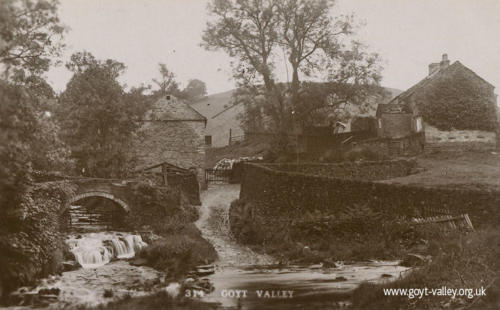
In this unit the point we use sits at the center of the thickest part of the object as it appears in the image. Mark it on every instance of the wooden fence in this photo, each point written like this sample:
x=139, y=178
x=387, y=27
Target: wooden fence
x=450, y=221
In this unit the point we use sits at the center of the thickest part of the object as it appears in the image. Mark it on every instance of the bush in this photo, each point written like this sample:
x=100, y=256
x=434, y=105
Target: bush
x=180, y=252
x=164, y=210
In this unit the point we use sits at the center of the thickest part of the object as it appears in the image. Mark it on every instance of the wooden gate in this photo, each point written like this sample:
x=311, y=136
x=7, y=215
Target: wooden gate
x=218, y=176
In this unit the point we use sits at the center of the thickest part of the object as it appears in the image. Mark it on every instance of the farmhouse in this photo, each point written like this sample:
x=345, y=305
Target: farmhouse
x=172, y=132
x=452, y=106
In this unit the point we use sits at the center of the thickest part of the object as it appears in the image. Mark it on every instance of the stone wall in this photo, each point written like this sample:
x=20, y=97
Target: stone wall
x=463, y=139
x=362, y=170
x=273, y=202
x=180, y=143
x=395, y=125
x=409, y=145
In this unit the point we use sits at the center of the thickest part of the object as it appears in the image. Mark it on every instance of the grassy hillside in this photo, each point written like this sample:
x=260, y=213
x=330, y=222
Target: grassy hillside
x=221, y=117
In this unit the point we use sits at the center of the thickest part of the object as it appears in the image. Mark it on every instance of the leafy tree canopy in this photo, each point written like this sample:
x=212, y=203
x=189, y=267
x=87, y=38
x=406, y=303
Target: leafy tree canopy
x=30, y=37
x=167, y=85
x=17, y=127
x=98, y=118
x=196, y=89
x=260, y=34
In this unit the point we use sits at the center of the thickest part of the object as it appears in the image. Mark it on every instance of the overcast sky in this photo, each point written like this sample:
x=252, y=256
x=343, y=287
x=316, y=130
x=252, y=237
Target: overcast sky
x=408, y=34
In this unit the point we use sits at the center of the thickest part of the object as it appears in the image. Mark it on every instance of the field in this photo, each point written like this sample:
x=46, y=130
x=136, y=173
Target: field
x=456, y=169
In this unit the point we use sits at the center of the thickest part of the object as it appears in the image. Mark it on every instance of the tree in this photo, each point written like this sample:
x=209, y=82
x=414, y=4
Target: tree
x=167, y=83
x=39, y=87
x=97, y=119
x=17, y=127
x=195, y=90
x=247, y=31
x=257, y=33
x=30, y=36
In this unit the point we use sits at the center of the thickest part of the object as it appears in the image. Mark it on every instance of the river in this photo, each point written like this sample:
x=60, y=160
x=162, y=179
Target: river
x=242, y=278
x=248, y=280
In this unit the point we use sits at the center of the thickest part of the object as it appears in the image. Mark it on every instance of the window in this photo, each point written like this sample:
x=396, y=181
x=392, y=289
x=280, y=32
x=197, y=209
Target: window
x=379, y=123
x=208, y=140
x=418, y=124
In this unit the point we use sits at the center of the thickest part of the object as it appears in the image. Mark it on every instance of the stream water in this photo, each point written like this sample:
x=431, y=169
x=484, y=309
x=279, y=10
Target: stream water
x=244, y=279
x=102, y=274
x=94, y=250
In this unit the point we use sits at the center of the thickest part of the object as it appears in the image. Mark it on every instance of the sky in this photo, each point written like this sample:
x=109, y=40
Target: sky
x=408, y=35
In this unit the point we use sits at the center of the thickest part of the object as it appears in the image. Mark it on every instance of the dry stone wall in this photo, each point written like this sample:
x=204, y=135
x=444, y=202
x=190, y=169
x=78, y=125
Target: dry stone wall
x=273, y=202
x=465, y=139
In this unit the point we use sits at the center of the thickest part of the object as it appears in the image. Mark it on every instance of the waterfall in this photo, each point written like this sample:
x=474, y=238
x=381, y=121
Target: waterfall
x=97, y=249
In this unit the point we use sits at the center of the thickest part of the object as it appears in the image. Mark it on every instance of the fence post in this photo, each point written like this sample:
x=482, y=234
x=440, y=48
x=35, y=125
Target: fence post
x=164, y=173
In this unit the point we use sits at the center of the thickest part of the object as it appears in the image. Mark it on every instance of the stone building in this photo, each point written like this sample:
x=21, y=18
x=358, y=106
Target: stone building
x=394, y=120
x=409, y=112
x=172, y=132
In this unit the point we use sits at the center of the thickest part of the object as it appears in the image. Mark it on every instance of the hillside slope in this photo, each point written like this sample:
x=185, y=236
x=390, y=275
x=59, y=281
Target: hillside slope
x=221, y=117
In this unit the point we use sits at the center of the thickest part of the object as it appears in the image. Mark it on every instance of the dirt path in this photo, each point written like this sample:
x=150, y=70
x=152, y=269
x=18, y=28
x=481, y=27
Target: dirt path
x=214, y=226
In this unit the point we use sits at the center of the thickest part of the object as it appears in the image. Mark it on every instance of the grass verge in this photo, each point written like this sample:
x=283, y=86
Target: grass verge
x=459, y=261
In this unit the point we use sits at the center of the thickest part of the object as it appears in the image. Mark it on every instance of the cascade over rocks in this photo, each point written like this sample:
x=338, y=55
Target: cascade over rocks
x=97, y=249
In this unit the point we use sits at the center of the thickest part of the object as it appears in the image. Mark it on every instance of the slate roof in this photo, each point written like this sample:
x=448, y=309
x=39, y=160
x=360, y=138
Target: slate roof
x=428, y=79
x=173, y=109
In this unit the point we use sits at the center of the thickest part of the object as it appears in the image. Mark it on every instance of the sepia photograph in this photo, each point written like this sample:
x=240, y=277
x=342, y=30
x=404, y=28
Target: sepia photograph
x=249, y=154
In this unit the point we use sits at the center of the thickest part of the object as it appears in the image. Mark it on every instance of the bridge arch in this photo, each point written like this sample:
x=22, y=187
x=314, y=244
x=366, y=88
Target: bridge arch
x=102, y=194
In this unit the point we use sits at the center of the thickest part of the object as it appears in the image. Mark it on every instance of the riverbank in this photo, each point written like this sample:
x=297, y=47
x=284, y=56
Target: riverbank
x=459, y=261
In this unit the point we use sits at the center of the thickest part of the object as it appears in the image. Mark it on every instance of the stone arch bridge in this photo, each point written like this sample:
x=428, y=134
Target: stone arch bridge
x=117, y=190
x=120, y=191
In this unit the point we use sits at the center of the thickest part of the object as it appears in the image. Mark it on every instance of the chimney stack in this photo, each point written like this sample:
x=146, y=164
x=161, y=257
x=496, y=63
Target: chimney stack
x=444, y=62
x=436, y=66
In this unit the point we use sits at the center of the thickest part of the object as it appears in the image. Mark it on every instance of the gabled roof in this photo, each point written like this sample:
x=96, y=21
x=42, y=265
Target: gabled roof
x=170, y=108
x=428, y=79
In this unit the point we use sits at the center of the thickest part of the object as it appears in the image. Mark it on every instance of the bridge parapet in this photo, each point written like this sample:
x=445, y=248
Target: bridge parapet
x=118, y=191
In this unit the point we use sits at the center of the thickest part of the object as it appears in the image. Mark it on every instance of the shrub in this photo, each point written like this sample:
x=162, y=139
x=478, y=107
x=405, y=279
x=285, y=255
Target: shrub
x=164, y=210
x=179, y=253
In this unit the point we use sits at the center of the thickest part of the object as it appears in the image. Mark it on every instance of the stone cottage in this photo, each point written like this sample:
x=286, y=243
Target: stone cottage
x=452, y=107
x=172, y=132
